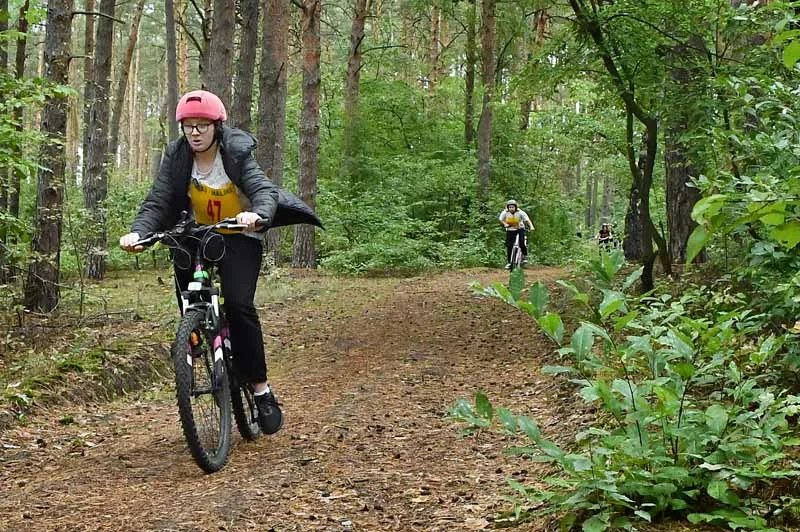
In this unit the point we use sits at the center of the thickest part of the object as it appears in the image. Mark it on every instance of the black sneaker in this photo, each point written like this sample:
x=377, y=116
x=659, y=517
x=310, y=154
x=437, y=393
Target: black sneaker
x=270, y=417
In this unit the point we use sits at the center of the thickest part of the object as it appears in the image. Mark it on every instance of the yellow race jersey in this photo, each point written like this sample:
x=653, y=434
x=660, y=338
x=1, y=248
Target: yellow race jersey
x=214, y=204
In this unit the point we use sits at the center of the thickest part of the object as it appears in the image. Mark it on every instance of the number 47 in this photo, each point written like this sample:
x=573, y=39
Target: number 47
x=210, y=209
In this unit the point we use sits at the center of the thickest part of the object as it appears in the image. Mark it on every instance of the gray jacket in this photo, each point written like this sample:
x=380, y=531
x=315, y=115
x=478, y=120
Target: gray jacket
x=168, y=195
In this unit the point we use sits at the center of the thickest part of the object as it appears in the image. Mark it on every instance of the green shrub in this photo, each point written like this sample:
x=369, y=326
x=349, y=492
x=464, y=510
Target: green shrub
x=696, y=419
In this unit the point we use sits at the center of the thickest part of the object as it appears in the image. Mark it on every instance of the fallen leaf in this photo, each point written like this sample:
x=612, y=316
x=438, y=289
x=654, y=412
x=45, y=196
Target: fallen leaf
x=474, y=523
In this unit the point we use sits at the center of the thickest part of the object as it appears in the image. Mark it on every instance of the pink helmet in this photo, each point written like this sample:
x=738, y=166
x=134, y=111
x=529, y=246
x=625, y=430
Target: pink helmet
x=200, y=104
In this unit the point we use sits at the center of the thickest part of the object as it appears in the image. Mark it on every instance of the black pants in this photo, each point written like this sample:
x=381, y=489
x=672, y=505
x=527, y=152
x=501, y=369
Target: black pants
x=511, y=237
x=239, y=270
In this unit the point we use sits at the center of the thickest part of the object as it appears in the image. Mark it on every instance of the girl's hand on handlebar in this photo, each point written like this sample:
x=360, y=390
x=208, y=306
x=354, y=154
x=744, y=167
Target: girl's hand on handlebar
x=249, y=219
x=128, y=243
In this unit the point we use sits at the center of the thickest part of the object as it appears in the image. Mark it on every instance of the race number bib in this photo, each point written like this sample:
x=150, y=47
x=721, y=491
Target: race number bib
x=214, y=204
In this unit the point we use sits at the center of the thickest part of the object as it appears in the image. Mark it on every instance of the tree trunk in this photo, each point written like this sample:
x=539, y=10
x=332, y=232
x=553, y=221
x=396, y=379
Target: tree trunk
x=42, y=289
x=88, y=80
x=172, y=70
x=488, y=77
x=407, y=22
x=679, y=168
x=376, y=28
x=587, y=195
x=435, y=47
x=129, y=154
x=352, y=88
x=125, y=68
x=635, y=228
x=19, y=72
x=73, y=121
x=525, y=113
x=182, y=47
x=272, y=100
x=305, y=255
x=680, y=197
x=5, y=173
x=608, y=193
x=541, y=26
x=4, y=12
x=592, y=177
x=248, y=36
x=220, y=51
x=469, y=76
x=95, y=182
x=205, y=50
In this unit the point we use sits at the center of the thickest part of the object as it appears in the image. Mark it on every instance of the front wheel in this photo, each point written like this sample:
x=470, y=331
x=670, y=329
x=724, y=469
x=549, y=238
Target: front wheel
x=202, y=390
x=516, y=258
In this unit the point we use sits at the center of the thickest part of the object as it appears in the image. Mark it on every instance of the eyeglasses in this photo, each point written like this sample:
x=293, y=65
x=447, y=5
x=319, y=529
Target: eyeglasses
x=200, y=128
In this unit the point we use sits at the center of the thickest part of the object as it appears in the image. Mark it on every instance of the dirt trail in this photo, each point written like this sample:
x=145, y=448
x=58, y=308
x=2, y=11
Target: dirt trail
x=366, y=378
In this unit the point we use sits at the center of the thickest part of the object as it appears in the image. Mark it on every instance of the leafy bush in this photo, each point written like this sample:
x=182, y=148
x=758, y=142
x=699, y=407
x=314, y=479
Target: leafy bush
x=694, y=420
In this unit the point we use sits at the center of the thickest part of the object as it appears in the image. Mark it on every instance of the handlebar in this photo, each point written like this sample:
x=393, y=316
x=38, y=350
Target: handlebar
x=188, y=228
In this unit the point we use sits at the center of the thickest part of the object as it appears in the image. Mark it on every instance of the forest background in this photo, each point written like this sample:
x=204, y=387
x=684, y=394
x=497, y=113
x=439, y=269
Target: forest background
x=407, y=125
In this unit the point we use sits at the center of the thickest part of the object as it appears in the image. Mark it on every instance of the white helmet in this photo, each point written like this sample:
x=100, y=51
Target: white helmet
x=512, y=202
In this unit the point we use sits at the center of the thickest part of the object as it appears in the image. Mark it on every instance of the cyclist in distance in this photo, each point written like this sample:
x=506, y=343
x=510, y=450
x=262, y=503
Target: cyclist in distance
x=210, y=173
x=515, y=220
x=605, y=237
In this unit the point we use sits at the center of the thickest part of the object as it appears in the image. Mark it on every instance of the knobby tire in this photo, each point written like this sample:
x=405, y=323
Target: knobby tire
x=210, y=455
x=244, y=411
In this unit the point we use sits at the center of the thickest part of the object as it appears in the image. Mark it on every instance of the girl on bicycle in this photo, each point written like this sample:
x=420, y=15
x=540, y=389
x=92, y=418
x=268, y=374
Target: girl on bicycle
x=210, y=172
x=515, y=221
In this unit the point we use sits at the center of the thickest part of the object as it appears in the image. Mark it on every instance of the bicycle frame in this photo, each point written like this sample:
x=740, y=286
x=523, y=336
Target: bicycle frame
x=517, y=243
x=516, y=250
x=201, y=292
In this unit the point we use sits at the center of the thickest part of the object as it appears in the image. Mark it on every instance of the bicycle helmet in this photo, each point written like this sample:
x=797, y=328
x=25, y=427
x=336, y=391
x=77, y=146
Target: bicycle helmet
x=512, y=202
x=200, y=104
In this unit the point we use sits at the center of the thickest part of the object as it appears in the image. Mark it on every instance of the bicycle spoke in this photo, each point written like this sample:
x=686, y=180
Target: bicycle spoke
x=202, y=392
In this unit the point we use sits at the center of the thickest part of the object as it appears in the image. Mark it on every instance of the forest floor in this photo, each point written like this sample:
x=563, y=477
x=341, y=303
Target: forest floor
x=366, y=369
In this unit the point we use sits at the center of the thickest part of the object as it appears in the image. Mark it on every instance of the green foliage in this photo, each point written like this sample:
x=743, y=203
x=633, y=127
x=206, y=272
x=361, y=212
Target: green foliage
x=412, y=185
x=695, y=414
x=120, y=207
x=750, y=196
x=18, y=162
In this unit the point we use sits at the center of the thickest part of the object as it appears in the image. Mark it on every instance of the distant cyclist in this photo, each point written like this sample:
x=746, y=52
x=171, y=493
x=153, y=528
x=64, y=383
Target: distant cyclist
x=515, y=220
x=605, y=237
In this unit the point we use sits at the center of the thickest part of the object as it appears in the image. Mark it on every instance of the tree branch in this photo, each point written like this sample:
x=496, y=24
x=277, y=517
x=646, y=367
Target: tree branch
x=704, y=50
x=592, y=28
x=499, y=66
x=96, y=14
x=383, y=47
x=200, y=12
x=190, y=35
